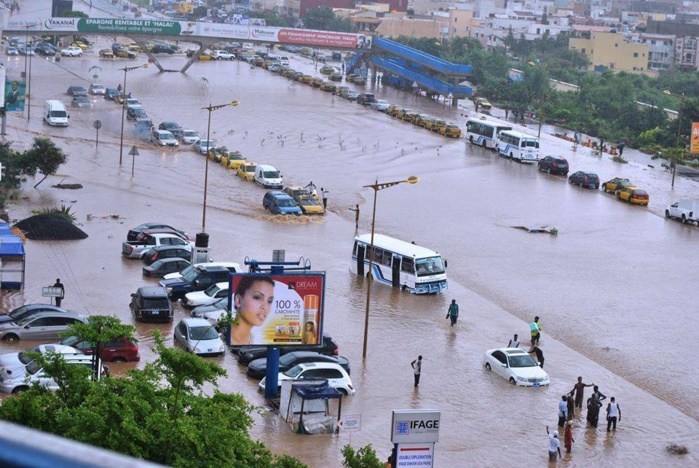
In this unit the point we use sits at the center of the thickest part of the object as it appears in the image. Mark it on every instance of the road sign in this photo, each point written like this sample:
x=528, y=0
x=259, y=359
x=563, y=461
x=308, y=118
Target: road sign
x=50, y=291
x=97, y=124
x=134, y=151
x=351, y=423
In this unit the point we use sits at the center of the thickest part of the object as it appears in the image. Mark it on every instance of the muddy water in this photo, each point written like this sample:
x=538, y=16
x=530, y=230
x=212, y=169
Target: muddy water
x=613, y=288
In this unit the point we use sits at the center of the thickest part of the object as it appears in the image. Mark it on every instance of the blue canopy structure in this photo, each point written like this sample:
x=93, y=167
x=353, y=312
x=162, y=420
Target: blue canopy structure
x=12, y=259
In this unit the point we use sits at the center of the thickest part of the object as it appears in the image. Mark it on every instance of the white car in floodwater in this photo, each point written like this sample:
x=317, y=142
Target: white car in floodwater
x=516, y=366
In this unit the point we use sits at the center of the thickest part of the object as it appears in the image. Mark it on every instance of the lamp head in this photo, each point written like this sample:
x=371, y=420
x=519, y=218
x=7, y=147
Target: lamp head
x=234, y=103
x=412, y=180
x=667, y=91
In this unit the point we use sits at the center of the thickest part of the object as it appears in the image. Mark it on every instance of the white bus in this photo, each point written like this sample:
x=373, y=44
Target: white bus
x=519, y=146
x=484, y=133
x=400, y=264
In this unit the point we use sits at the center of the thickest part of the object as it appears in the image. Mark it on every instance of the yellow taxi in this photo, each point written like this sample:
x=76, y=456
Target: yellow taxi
x=483, y=103
x=617, y=183
x=246, y=170
x=205, y=57
x=317, y=82
x=436, y=125
x=401, y=112
x=633, y=195
x=409, y=116
x=306, y=79
x=450, y=130
x=307, y=202
x=234, y=160
x=80, y=44
x=422, y=119
x=135, y=48
x=392, y=110
x=328, y=86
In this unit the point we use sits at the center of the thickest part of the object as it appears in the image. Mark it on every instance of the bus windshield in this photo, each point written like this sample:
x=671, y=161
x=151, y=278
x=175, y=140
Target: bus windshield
x=429, y=266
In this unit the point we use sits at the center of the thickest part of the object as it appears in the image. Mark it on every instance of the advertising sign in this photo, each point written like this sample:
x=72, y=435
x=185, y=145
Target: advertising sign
x=694, y=141
x=128, y=26
x=415, y=426
x=351, y=423
x=277, y=310
x=15, y=91
x=2, y=86
x=415, y=455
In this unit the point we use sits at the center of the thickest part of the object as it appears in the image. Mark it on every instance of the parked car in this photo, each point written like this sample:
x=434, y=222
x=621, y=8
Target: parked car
x=222, y=55
x=245, y=354
x=12, y=51
x=106, y=53
x=22, y=378
x=203, y=146
x=449, y=130
x=232, y=267
x=119, y=350
x=366, y=99
x=164, y=266
x=133, y=233
x=553, y=165
x=196, y=279
x=684, y=210
x=163, y=138
x=258, y=367
x=110, y=93
x=633, y=195
x=166, y=251
x=162, y=49
x=28, y=310
x=277, y=202
x=218, y=305
x=612, y=185
x=81, y=102
x=336, y=376
x=268, y=177
x=136, y=112
x=172, y=127
x=9, y=361
x=45, y=49
x=307, y=202
x=190, y=136
x=42, y=326
x=380, y=105
x=143, y=127
x=151, y=303
x=516, y=366
x=198, y=336
x=72, y=51
x=246, y=171
x=96, y=89
x=584, y=179
x=76, y=91
x=207, y=296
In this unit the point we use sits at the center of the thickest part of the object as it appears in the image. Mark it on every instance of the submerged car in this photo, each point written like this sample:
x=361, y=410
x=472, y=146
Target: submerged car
x=246, y=171
x=516, y=366
x=334, y=373
x=584, y=179
x=617, y=183
x=258, y=367
x=277, y=202
x=206, y=297
x=307, y=202
x=198, y=336
x=81, y=102
x=633, y=195
x=553, y=165
x=165, y=266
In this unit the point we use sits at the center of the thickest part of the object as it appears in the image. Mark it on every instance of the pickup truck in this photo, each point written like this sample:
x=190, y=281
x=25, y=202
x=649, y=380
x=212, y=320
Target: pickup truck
x=136, y=249
x=197, y=279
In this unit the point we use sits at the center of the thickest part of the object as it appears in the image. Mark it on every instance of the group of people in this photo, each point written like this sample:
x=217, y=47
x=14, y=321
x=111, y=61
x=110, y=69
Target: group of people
x=535, y=333
x=311, y=187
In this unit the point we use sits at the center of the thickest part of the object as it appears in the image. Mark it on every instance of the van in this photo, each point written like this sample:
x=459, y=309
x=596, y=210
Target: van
x=55, y=113
x=268, y=176
x=164, y=138
x=684, y=210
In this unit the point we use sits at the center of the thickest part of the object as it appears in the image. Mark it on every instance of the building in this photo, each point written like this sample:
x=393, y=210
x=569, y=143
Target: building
x=661, y=51
x=607, y=50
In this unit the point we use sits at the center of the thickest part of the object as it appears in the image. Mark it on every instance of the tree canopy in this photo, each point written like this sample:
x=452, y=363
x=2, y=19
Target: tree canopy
x=324, y=19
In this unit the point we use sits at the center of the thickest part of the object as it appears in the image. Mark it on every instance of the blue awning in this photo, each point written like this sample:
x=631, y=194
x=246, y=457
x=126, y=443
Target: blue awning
x=316, y=392
x=11, y=245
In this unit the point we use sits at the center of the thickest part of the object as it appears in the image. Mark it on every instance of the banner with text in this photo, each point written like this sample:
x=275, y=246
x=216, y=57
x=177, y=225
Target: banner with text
x=694, y=142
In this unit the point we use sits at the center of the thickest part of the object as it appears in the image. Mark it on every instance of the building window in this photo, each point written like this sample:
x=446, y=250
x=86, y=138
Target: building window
x=616, y=44
x=635, y=54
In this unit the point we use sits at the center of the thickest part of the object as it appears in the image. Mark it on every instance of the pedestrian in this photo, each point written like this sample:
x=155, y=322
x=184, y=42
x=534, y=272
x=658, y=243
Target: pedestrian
x=562, y=411
x=539, y=355
x=571, y=407
x=554, y=445
x=356, y=216
x=507, y=112
x=343, y=68
x=594, y=403
x=535, y=329
x=324, y=193
x=579, y=390
x=119, y=88
x=417, y=369
x=453, y=312
x=601, y=146
x=514, y=342
x=568, y=437
x=621, y=146
x=613, y=413
x=59, y=285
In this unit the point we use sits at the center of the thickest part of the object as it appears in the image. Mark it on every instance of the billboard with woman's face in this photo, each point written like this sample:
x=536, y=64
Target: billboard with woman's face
x=277, y=310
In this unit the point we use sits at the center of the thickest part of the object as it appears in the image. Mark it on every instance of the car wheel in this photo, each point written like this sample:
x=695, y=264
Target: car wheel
x=343, y=391
x=470, y=138
x=667, y=214
x=512, y=381
x=119, y=359
x=684, y=219
x=10, y=337
x=20, y=389
x=617, y=195
x=487, y=366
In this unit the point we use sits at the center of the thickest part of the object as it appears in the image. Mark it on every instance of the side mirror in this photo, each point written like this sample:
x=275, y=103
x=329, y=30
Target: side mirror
x=446, y=264
x=133, y=294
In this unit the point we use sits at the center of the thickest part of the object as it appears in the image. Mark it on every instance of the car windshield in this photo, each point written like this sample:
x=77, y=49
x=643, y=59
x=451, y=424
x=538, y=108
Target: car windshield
x=429, y=266
x=33, y=367
x=530, y=143
x=18, y=312
x=190, y=275
x=522, y=360
x=202, y=333
x=212, y=290
x=155, y=303
x=294, y=372
x=271, y=174
x=59, y=113
x=249, y=168
x=190, y=134
x=285, y=202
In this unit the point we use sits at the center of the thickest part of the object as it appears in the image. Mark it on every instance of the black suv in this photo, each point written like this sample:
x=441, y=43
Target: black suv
x=245, y=354
x=172, y=127
x=151, y=304
x=366, y=99
x=196, y=279
x=554, y=165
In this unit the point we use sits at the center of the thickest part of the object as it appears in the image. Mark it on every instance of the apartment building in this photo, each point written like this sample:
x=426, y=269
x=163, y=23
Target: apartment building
x=608, y=50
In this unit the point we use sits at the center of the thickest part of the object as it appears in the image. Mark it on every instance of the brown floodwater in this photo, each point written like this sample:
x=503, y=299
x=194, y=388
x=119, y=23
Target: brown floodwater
x=615, y=289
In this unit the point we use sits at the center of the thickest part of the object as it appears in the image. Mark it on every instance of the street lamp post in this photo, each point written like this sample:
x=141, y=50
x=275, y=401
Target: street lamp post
x=376, y=186
x=673, y=163
x=123, y=107
x=28, y=76
x=210, y=108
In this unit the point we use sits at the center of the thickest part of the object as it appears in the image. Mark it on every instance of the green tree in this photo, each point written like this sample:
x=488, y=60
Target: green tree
x=159, y=413
x=44, y=156
x=364, y=457
x=12, y=170
x=99, y=330
x=324, y=19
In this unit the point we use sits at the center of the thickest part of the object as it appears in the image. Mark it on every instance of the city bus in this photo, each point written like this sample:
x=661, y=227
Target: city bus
x=519, y=146
x=400, y=264
x=484, y=133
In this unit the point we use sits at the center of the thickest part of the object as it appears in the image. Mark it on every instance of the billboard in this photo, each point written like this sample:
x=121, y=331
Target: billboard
x=694, y=141
x=277, y=309
x=415, y=426
x=15, y=91
x=2, y=86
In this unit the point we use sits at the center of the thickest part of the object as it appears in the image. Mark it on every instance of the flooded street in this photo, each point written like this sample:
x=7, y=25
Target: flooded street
x=615, y=289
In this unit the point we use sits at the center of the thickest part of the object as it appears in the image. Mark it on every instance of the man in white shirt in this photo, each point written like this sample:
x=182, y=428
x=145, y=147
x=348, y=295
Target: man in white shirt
x=613, y=413
x=562, y=411
x=554, y=445
x=514, y=342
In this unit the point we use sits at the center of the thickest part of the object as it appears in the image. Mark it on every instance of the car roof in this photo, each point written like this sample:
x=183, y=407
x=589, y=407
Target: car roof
x=320, y=365
x=152, y=291
x=196, y=322
x=49, y=313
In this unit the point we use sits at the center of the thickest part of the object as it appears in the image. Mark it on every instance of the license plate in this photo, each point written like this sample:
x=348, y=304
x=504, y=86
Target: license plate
x=536, y=384
x=154, y=312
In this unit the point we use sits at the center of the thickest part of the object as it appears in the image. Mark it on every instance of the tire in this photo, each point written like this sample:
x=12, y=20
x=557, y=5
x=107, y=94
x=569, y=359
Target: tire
x=512, y=381
x=470, y=138
x=10, y=337
x=20, y=389
x=684, y=219
x=667, y=214
x=487, y=366
x=343, y=391
x=119, y=359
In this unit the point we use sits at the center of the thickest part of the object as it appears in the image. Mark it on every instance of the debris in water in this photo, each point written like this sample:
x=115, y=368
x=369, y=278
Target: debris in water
x=68, y=186
x=539, y=229
x=677, y=449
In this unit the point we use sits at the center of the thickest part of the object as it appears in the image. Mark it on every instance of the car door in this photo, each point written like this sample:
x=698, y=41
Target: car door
x=181, y=333
x=58, y=325
x=500, y=366
x=334, y=376
x=36, y=329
